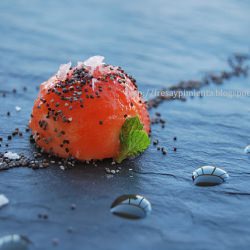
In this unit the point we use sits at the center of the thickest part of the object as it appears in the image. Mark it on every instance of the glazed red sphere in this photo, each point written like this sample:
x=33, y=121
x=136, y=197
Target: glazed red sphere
x=80, y=111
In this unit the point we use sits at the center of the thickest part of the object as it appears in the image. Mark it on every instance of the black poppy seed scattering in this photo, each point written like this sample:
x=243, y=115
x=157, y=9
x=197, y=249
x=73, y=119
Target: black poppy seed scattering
x=71, y=90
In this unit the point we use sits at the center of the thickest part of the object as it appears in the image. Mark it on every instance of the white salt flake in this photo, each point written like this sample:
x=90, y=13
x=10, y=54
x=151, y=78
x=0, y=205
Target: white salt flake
x=93, y=83
x=107, y=170
x=62, y=167
x=247, y=149
x=12, y=156
x=18, y=108
x=94, y=61
x=3, y=200
x=63, y=70
x=79, y=64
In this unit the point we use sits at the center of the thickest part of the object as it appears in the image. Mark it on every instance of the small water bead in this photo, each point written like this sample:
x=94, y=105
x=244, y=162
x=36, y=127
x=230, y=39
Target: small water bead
x=247, y=149
x=209, y=176
x=14, y=242
x=131, y=206
x=18, y=108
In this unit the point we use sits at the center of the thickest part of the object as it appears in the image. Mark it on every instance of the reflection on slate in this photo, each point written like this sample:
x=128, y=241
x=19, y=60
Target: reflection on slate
x=209, y=176
x=14, y=242
x=131, y=207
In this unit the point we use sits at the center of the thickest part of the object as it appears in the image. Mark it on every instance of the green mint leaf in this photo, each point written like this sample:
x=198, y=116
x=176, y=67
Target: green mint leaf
x=131, y=124
x=133, y=139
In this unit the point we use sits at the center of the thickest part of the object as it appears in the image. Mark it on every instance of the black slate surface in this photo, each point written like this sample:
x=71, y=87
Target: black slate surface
x=158, y=42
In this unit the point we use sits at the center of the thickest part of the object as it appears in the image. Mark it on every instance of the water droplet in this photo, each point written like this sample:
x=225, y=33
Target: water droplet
x=209, y=176
x=247, y=149
x=131, y=206
x=14, y=242
x=3, y=200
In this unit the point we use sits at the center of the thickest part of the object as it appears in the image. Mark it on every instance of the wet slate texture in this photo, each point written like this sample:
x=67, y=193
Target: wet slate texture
x=159, y=43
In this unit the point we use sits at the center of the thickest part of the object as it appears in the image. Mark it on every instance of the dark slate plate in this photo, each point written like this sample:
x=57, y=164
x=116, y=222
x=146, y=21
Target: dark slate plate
x=159, y=43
